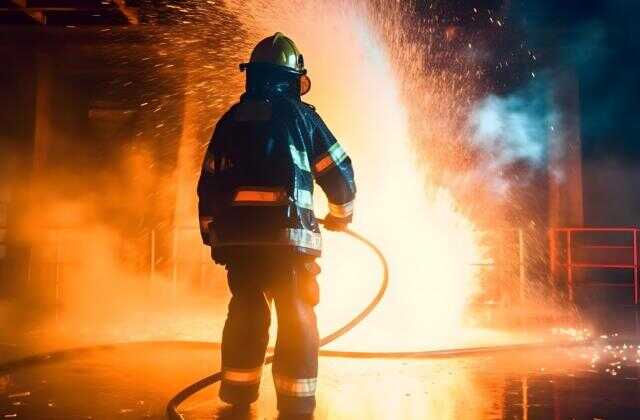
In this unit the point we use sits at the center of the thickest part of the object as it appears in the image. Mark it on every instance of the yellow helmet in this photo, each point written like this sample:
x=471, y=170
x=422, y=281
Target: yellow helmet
x=280, y=52
x=277, y=50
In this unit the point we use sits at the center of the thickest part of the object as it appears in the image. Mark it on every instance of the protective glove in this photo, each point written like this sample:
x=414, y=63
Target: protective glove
x=335, y=224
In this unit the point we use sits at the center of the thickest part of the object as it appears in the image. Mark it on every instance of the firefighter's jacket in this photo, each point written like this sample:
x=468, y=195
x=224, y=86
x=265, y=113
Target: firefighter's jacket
x=256, y=185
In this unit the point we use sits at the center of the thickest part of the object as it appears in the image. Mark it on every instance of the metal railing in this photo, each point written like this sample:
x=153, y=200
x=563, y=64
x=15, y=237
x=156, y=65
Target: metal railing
x=171, y=254
x=571, y=261
x=203, y=259
x=509, y=243
x=175, y=252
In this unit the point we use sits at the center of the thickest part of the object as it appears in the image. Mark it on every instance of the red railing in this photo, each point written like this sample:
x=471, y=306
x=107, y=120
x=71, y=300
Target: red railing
x=570, y=261
x=509, y=260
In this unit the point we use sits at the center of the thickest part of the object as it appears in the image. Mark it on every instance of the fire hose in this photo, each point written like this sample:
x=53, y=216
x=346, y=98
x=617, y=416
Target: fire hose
x=172, y=406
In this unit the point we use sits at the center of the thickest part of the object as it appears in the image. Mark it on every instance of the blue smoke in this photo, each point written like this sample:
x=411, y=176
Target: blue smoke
x=515, y=128
x=600, y=41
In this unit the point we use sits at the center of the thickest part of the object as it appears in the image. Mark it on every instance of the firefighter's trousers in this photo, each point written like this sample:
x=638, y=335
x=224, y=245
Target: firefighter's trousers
x=291, y=283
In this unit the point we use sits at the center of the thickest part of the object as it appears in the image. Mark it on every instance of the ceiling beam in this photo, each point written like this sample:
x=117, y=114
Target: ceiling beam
x=48, y=9
x=37, y=15
x=130, y=13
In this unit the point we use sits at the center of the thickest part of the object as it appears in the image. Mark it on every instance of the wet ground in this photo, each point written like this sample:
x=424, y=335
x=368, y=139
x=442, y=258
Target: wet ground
x=596, y=382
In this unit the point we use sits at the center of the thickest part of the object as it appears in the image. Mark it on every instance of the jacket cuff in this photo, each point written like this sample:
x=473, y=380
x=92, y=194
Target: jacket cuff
x=342, y=211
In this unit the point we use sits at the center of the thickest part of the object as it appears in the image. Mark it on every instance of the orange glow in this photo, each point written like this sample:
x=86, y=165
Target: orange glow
x=377, y=92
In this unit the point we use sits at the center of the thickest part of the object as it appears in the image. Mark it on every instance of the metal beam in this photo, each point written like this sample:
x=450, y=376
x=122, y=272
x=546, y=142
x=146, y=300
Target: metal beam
x=48, y=9
x=130, y=13
x=39, y=14
x=36, y=15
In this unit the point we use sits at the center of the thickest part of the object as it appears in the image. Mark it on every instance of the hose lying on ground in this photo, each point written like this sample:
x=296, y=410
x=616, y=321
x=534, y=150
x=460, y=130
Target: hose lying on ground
x=75, y=352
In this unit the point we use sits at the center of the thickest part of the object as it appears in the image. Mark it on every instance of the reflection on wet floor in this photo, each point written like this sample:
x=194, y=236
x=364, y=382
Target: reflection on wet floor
x=576, y=383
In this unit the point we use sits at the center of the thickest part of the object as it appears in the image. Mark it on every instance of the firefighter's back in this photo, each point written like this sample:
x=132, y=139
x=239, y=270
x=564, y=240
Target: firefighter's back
x=265, y=192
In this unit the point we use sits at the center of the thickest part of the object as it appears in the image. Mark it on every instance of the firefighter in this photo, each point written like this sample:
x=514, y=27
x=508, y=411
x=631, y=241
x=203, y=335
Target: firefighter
x=256, y=213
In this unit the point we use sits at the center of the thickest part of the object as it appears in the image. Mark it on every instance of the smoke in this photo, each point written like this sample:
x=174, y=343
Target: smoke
x=514, y=130
x=600, y=42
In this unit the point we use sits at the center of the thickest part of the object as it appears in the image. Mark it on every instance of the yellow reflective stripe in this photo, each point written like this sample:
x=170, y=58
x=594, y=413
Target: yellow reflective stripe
x=300, y=158
x=334, y=156
x=337, y=153
x=304, y=238
x=242, y=376
x=213, y=165
x=304, y=199
x=295, y=387
x=296, y=237
x=209, y=163
x=259, y=196
x=341, y=210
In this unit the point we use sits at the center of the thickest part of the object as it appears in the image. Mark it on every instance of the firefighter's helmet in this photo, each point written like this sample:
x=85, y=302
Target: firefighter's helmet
x=279, y=52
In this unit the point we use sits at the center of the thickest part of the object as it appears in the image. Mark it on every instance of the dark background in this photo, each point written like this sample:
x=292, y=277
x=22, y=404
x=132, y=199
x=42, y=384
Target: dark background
x=599, y=43
x=601, y=40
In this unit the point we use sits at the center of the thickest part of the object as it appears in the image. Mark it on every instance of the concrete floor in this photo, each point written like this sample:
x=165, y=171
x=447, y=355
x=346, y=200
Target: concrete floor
x=600, y=382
